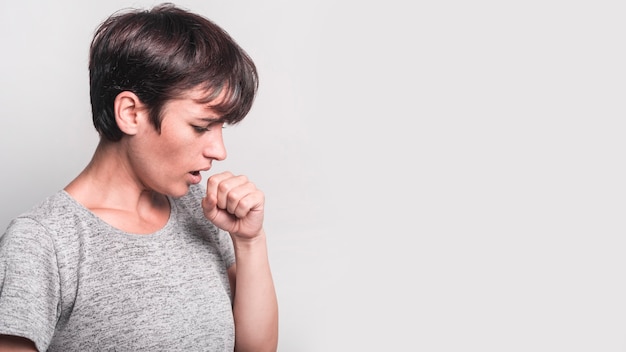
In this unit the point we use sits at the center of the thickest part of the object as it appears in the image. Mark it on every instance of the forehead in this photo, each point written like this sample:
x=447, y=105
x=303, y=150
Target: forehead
x=220, y=102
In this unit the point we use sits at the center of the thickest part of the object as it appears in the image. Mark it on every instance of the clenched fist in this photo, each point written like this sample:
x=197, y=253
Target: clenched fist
x=234, y=204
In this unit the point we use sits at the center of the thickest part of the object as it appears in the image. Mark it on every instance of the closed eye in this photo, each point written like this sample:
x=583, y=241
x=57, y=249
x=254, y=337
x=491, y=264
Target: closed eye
x=207, y=128
x=201, y=129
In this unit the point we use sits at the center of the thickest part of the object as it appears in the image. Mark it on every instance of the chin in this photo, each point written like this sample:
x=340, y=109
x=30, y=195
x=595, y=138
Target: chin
x=178, y=191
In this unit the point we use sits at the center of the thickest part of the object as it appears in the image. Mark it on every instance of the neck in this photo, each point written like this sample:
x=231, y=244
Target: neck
x=108, y=182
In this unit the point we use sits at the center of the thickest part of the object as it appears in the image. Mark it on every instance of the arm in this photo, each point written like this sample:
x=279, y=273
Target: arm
x=235, y=205
x=9, y=343
x=255, y=303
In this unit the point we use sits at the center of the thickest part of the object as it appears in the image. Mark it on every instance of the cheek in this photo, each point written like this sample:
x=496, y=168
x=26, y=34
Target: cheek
x=177, y=148
x=172, y=140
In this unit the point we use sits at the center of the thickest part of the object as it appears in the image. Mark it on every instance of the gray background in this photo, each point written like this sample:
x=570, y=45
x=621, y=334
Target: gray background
x=440, y=176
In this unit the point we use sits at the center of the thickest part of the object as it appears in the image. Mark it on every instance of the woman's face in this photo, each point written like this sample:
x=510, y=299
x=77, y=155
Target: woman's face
x=189, y=140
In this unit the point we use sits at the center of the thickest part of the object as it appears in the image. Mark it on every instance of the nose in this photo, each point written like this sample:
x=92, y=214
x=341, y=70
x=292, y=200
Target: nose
x=214, y=147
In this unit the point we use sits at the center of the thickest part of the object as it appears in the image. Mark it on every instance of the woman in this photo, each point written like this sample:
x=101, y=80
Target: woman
x=137, y=253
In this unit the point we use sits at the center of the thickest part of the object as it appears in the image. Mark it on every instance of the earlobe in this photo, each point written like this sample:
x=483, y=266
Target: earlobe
x=128, y=110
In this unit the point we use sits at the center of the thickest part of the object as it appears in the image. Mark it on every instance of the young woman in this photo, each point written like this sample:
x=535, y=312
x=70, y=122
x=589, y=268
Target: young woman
x=137, y=253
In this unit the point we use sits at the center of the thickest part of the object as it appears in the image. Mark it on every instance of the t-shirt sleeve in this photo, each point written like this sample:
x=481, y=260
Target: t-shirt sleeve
x=29, y=283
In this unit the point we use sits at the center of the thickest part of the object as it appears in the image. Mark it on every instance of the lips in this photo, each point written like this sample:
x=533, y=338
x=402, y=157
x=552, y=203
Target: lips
x=196, y=177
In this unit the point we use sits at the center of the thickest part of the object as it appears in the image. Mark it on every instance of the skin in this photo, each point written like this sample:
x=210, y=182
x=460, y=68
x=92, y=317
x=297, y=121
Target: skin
x=16, y=344
x=133, y=176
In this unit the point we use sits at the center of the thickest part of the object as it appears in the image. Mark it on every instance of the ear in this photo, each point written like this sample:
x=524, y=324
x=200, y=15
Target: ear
x=129, y=111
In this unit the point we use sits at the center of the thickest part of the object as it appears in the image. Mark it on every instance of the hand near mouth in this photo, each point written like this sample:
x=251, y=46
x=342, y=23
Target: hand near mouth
x=234, y=204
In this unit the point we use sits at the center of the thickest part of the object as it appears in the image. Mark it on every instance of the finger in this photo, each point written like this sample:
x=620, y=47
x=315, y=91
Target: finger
x=214, y=181
x=209, y=207
x=252, y=201
x=236, y=194
x=225, y=190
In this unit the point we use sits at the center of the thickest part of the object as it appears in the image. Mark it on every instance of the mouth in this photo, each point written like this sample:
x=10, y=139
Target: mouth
x=196, y=177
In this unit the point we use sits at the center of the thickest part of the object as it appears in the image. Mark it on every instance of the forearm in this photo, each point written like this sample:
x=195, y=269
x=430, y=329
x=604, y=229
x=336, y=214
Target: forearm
x=255, y=304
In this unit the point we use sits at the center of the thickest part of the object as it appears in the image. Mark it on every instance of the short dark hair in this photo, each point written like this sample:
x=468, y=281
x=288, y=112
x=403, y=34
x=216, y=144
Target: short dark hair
x=160, y=53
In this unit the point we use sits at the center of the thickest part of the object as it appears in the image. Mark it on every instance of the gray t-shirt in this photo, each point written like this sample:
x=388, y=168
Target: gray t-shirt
x=71, y=282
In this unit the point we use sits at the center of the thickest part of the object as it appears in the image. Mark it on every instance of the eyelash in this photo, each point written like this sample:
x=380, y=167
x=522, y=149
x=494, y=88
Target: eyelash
x=201, y=129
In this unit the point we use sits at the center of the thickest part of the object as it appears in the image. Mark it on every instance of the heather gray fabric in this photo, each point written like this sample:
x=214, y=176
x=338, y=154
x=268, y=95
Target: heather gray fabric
x=71, y=282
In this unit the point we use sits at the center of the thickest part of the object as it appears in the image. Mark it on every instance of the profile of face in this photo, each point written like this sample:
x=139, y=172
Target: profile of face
x=190, y=138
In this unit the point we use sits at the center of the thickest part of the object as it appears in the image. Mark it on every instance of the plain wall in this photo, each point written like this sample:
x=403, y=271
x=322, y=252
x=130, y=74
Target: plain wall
x=440, y=176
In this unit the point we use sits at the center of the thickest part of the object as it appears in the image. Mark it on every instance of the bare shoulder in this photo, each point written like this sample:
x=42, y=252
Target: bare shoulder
x=9, y=343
